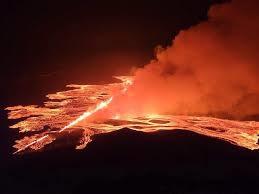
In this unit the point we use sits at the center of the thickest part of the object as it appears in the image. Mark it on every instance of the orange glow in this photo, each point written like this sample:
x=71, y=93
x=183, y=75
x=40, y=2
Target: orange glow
x=87, y=114
x=210, y=69
x=66, y=111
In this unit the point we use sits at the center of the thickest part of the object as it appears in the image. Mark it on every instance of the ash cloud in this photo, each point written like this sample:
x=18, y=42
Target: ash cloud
x=211, y=68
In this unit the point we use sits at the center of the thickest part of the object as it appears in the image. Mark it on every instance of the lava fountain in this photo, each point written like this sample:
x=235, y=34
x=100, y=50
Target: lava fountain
x=85, y=108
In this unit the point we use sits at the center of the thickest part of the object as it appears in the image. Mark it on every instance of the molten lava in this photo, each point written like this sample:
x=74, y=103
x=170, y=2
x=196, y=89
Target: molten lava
x=77, y=109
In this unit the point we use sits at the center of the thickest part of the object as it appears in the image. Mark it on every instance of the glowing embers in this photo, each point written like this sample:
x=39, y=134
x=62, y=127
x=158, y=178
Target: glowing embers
x=76, y=111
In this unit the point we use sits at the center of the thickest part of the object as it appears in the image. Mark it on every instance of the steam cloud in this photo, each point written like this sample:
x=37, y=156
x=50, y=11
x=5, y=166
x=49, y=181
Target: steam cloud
x=210, y=69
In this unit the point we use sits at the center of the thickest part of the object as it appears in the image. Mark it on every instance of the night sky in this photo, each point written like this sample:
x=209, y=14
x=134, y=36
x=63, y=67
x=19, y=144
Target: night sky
x=48, y=44
x=85, y=41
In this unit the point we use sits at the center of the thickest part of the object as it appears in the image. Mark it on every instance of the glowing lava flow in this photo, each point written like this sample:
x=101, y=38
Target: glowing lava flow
x=73, y=123
x=69, y=111
x=87, y=114
x=127, y=81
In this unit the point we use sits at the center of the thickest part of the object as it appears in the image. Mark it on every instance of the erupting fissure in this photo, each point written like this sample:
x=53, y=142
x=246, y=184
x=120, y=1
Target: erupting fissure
x=87, y=114
x=186, y=78
x=66, y=111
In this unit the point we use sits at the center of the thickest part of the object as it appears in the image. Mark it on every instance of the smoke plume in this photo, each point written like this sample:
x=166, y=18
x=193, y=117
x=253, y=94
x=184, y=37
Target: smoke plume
x=210, y=69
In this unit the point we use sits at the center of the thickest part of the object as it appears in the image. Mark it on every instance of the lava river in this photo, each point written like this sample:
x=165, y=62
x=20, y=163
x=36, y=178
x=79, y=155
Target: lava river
x=73, y=110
